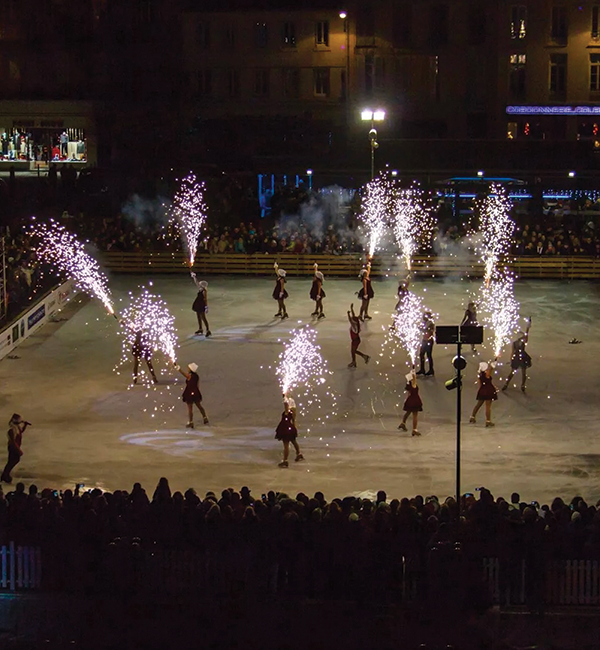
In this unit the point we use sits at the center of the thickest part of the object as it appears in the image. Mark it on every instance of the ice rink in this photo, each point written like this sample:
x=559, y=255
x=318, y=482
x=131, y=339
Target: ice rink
x=89, y=428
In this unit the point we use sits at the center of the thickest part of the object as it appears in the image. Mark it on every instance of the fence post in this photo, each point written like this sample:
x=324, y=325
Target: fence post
x=12, y=566
x=26, y=556
x=19, y=567
x=4, y=580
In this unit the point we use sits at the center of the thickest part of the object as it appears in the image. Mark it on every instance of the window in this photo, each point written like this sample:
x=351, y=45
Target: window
x=9, y=13
x=595, y=73
x=438, y=24
x=291, y=83
x=146, y=11
x=558, y=75
x=476, y=24
x=203, y=34
x=261, y=83
x=229, y=36
x=559, y=23
x=233, y=83
x=595, y=22
x=402, y=25
x=261, y=35
x=288, y=37
x=322, y=33
x=321, y=76
x=518, y=21
x=517, y=75
x=204, y=85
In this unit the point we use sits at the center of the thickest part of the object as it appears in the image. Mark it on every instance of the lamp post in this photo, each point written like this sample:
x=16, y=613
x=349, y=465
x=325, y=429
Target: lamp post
x=457, y=335
x=373, y=116
x=344, y=17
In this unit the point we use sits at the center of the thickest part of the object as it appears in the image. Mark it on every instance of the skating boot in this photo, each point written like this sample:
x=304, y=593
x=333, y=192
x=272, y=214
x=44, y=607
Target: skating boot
x=208, y=333
x=285, y=315
x=472, y=420
x=505, y=387
x=189, y=425
x=352, y=365
x=321, y=315
x=367, y=359
x=315, y=313
x=299, y=457
x=430, y=374
x=367, y=317
x=488, y=424
x=154, y=379
x=198, y=332
x=402, y=426
x=523, y=389
x=205, y=420
x=277, y=315
x=283, y=463
x=415, y=433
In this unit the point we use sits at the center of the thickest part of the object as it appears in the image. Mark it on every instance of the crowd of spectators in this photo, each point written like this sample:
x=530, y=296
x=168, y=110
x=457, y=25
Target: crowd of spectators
x=358, y=538
x=25, y=276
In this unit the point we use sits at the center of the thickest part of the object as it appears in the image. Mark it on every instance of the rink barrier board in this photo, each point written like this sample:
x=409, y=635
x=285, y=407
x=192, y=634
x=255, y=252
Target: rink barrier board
x=20, y=567
x=564, y=268
x=35, y=317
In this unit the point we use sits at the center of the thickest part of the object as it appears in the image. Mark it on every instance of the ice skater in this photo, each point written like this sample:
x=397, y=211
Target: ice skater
x=426, y=349
x=141, y=350
x=16, y=429
x=486, y=394
x=403, y=291
x=317, y=294
x=366, y=292
x=200, y=305
x=355, y=338
x=470, y=320
x=191, y=394
x=520, y=360
x=287, y=432
x=412, y=404
x=279, y=292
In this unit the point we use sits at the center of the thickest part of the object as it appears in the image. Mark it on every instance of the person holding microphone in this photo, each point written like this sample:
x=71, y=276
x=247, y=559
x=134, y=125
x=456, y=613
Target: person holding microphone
x=16, y=429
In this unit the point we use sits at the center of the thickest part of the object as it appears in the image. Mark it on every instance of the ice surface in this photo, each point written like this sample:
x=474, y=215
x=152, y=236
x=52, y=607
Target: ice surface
x=89, y=428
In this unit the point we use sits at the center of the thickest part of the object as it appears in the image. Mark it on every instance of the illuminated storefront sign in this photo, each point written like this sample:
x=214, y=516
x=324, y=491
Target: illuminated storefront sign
x=553, y=110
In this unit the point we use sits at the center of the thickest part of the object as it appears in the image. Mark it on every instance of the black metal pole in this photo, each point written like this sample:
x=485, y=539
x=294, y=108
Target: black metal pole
x=458, y=417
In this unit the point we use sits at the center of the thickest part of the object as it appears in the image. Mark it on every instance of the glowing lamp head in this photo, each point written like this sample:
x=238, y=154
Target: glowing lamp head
x=481, y=173
x=367, y=115
x=309, y=172
x=343, y=15
x=571, y=174
x=379, y=116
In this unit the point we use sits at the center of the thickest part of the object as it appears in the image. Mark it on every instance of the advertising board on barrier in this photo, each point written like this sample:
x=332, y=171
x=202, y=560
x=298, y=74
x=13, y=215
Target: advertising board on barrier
x=35, y=318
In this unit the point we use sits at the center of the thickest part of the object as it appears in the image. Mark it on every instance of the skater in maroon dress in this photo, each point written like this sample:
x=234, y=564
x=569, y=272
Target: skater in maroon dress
x=141, y=350
x=317, y=294
x=486, y=394
x=355, y=338
x=15, y=440
x=412, y=404
x=287, y=432
x=191, y=394
x=366, y=292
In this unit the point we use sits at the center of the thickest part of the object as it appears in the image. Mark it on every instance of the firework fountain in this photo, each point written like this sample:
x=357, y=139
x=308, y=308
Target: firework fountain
x=375, y=208
x=67, y=255
x=502, y=308
x=496, y=230
x=302, y=370
x=187, y=214
x=406, y=330
x=413, y=221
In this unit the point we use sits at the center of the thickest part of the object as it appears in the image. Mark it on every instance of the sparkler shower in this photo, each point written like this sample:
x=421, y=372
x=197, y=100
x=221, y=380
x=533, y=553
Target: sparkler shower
x=188, y=214
x=496, y=229
x=413, y=221
x=63, y=251
x=302, y=369
x=502, y=309
x=407, y=327
x=148, y=313
x=374, y=211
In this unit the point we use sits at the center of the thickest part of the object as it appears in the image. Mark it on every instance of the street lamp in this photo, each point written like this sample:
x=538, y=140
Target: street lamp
x=367, y=115
x=344, y=17
x=309, y=173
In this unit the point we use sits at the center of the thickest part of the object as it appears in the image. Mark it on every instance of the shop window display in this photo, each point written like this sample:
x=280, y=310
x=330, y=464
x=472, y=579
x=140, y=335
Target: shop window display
x=43, y=145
